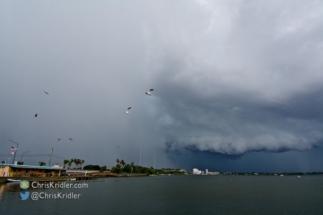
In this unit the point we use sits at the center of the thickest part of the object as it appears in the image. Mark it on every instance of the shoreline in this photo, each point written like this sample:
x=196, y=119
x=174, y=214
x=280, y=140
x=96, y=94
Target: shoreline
x=3, y=180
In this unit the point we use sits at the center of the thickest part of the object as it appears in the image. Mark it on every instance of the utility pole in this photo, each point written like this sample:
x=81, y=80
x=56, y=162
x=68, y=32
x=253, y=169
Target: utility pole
x=15, y=150
x=50, y=156
x=140, y=157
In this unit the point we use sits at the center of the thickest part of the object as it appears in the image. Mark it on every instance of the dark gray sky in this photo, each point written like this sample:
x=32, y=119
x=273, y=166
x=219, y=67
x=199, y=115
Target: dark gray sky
x=238, y=84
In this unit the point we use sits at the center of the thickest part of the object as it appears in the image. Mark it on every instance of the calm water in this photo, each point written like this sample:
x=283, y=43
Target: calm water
x=178, y=195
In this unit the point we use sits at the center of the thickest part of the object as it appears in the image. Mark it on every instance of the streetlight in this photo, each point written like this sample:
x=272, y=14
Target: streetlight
x=15, y=150
x=23, y=155
x=140, y=156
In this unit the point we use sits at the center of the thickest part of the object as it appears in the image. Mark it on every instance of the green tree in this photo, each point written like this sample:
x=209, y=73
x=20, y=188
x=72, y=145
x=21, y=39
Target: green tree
x=92, y=167
x=82, y=162
x=122, y=163
x=127, y=168
x=88, y=167
x=151, y=170
x=137, y=169
x=96, y=167
x=70, y=163
x=132, y=165
x=41, y=163
x=65, y=162
x=103, y=168
x=75, y=162
x=116, y=169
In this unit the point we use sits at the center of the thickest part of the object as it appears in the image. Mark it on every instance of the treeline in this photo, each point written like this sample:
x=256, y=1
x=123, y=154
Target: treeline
x=78, y=163
x=123, y=167
x=95, y=167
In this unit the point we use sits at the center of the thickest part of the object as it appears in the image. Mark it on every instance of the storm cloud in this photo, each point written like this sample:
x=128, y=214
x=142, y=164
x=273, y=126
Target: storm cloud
x=242, y=76
x=230, y=78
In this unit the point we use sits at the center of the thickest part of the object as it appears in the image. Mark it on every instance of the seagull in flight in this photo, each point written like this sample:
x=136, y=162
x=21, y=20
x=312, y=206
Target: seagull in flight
x=46, y=92
x=70, y=139
x=148, y=92
x=127, y=111
x=36, y=115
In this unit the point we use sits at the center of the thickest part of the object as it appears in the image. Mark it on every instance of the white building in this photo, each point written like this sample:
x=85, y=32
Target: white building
x=199, y=172
x=212, y=173
x=196, y=171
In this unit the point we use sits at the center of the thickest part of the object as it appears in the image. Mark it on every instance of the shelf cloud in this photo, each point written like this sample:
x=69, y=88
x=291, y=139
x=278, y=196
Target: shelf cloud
x=242, y=76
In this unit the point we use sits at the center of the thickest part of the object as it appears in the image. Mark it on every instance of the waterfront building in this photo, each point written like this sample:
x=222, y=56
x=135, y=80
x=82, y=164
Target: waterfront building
x=196, y=171
x=183, y=170
x=14, y=170
x=212, y=173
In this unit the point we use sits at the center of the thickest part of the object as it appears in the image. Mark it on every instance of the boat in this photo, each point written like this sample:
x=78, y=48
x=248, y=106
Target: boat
x=71, y=179
x=12, y=180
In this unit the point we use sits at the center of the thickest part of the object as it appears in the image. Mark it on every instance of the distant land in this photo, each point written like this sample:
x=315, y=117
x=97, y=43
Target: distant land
x=269, y=173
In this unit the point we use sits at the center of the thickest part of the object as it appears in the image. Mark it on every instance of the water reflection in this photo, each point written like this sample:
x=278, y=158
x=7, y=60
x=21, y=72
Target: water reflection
x=9, y=187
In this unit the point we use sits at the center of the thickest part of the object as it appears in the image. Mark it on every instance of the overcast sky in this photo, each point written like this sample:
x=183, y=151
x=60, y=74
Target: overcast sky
x=238, y=84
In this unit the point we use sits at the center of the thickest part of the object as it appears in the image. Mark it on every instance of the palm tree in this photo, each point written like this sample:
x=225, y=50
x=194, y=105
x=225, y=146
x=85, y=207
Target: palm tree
x=78, y=161
x=122, y=163
x=75, y=162
x=69, y=163
x=82, y=162
x=65, y=162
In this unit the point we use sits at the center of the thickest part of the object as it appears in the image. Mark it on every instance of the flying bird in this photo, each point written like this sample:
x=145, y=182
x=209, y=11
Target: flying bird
x=36, y=115
x=127, y=111
x=70, y=139
x=148, y=93
x=59, y=139
x=46, y=92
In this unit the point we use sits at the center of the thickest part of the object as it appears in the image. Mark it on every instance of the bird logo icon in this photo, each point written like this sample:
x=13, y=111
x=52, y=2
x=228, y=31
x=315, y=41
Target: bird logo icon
x=24, y=196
